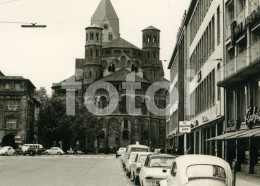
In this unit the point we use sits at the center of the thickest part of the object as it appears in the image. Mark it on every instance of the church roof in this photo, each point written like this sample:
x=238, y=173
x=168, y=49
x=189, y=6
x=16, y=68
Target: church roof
x=1, y=74
x=105, y=10
x=120, y=43
x=151, y=28
x=120, y=76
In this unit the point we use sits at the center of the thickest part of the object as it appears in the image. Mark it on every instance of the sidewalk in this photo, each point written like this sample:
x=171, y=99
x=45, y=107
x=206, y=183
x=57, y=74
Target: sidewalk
x=244, y=179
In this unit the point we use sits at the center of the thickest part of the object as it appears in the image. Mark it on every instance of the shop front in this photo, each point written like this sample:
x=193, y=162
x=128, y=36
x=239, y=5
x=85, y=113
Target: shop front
x=241, y=138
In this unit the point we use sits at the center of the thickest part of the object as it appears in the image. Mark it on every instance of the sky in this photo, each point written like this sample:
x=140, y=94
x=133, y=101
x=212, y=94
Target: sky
x=47, y=55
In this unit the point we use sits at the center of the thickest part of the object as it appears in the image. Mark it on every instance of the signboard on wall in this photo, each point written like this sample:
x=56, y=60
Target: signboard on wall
x=184, y=126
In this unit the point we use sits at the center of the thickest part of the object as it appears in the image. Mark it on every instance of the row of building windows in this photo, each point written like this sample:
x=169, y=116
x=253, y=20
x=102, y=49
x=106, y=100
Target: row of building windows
x=98, y=36
x=204, y=48
x=12, y=105
x=204, y=95
x=198, y=16
x=92, y=52
x=152, y=55
x=151, y=39
x=11, y=86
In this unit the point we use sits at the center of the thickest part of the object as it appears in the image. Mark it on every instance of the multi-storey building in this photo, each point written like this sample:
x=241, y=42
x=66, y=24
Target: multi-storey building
x=198, y=66
x=110, y=58
x=17, y=110
x=241, y=81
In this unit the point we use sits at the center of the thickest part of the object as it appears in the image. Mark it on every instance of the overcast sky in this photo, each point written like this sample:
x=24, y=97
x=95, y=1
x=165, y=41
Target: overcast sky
x=46, y=56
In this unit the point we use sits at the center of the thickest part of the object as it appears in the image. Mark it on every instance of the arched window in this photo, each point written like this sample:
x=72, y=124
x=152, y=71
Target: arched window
x=125, y=135
x=110, y=36
x=149, y=55
x=91, y=35
x=91, y=52
x=154, y=54
x=97, y=53
x=149, y=38
x=133, y=68
x=103, y=102
x=97, y=36
x=126, y=124
x=154, y=39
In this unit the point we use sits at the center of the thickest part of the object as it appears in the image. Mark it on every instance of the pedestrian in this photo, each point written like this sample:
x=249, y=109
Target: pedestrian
x=75, y=150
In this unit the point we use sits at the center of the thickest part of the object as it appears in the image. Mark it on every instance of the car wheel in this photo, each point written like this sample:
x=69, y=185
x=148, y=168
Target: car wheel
x=14, y=154
x=6, y=154
x=58, y=153
x=46, y=153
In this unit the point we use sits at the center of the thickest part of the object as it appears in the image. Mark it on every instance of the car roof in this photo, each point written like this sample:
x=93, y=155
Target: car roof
x=190, y=159
x=162, y=155
x=144, y=153
x=137, y=146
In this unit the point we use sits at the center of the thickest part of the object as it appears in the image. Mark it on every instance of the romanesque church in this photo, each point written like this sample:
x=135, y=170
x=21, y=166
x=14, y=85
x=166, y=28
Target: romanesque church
x=110, y=58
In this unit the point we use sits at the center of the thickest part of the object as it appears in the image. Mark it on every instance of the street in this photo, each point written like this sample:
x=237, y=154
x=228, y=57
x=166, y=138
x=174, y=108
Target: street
x=73, y=170
x=91, y=170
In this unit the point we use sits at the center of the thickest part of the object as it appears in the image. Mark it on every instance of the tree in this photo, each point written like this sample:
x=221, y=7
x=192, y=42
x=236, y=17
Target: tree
x=55, y=125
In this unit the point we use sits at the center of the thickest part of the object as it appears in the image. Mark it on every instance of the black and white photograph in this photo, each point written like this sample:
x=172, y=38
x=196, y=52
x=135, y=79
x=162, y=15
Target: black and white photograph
x=129, y=92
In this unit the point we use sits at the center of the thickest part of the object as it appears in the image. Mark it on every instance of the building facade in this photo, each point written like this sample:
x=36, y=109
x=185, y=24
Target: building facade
x=201, y=102
x=17, y=111
x=110, y=58
x=242, y=83
x=222, y=39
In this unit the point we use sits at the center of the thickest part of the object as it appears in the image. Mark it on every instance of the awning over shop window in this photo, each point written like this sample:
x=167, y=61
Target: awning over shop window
x=246, y=134
x=226, y=135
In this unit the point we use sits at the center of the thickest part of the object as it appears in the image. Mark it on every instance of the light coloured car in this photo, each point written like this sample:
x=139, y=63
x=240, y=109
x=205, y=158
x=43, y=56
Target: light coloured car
x=120, y=151
x=199, y=170
x=7, y=151
x=54, y=151
x=32, y=149
x=129, y=161
x=136, y=166
x=134, y=148
x=156, y=168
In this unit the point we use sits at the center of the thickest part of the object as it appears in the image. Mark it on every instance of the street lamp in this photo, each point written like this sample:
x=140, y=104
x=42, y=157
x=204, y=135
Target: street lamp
x=33, y=25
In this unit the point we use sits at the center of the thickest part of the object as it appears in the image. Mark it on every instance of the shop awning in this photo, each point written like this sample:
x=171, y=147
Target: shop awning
x=226, y=135
x=246, y=134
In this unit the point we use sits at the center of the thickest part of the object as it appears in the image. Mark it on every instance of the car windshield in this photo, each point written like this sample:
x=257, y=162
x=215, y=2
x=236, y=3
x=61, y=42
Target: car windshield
x=161, y=162
x=202, y=171
x=133, y=156
x=139, y=150
x=142, y=158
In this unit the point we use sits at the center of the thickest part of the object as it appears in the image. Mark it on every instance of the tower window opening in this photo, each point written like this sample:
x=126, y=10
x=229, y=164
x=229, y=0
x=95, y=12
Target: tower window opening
x=91, y=35
x=149, y=55
x=149, y=38
x=91, y=52
x=154, y=39
x=90, y=74
x=110, y=36
x=154, y=54
x=97, y=35
x=97, y=53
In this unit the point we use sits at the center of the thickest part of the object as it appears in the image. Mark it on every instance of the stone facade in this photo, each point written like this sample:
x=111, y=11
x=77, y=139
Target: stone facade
x=17, y=110
x=110, y=58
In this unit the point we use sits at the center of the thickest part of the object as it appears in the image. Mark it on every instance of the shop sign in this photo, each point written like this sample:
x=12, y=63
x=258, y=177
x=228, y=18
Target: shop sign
x=205, y=118
x=184, y=127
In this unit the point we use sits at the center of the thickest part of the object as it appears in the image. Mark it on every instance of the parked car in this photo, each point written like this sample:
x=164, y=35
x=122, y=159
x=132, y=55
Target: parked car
x=136, y=166
x=156, y=168
x=129, y=161
x=32, y=149
x=134, y=148
x=7, y=151
x=198, y=170
x=120, y=151
x=54, y=151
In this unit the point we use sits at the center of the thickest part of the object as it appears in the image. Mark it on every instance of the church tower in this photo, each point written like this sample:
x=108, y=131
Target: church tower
x=105, y=17
x=151, y=48
x=93, y=50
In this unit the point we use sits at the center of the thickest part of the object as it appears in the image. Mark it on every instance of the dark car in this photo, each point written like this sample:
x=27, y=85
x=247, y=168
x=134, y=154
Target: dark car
x=32, y=149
